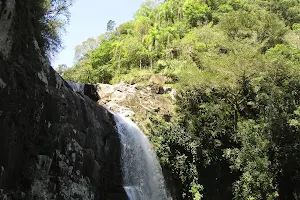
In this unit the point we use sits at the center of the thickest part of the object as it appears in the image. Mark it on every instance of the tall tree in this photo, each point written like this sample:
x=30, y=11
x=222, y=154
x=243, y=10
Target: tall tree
x=81, y=51
x=110, y=25
x=49, y=18
x=61, y=69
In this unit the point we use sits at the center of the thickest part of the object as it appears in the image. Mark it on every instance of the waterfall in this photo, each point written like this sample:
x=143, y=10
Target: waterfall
x=142, y=174
x=77, y=87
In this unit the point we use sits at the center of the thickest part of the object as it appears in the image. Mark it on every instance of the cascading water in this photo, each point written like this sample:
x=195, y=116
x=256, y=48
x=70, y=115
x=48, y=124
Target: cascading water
x=76, y=87
x=142, y=174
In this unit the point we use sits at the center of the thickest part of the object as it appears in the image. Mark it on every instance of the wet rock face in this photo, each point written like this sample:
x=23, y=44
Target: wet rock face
x=89, y=90
x=6, y=19
x=54, y=143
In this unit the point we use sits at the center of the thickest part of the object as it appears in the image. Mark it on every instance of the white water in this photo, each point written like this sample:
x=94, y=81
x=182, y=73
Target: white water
x=76, y=87
x=142, y=174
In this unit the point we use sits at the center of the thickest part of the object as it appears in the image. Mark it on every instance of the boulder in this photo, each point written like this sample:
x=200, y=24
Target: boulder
x=155, y=88
x=105, y=90
x=89, y=90
x=167, y=89
x=163, y=90
x=158, y=79
x=132, y=81
x=173, y=94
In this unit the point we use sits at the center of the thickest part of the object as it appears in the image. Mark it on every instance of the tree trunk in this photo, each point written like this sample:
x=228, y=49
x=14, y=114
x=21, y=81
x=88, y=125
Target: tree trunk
x=140, y=63
x=119, y=60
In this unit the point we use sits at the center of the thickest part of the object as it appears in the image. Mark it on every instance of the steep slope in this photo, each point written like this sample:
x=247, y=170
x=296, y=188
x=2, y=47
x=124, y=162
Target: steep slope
x=54, y=143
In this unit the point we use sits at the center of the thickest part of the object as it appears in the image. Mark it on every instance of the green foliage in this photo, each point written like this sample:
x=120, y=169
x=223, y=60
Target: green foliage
x=82, y=51
x=256, y=181
x=138, y=75
x=196, y=12
x=49, y=18
x=83, y=72
x=195, y=191
x=177, y=153
x=61, y=69
x=165, y=32
x=235, y=66
x=110, y=25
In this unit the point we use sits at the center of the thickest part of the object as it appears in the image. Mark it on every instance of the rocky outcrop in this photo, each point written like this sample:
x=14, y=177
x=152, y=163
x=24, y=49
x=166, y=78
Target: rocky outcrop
x=141, y=102
x=138, y=100
x=54, y=143
x=89, y=90
x=158, y=79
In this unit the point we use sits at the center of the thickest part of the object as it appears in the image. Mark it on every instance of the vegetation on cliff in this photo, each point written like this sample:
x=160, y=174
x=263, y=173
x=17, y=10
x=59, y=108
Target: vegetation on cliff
x=235, y=64
x=49, y=19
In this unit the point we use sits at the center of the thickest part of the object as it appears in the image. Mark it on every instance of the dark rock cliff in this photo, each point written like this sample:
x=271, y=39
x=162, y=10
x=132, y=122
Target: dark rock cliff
x=54, y=143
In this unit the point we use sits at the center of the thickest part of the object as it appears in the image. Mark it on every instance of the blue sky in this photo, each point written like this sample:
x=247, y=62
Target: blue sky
x=89, y=19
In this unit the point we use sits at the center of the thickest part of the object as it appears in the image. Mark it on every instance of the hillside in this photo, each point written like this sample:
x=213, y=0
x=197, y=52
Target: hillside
x=234, y=129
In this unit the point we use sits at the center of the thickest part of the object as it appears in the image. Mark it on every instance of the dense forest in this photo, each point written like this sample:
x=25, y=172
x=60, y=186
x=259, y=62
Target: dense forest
x=235, y=64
